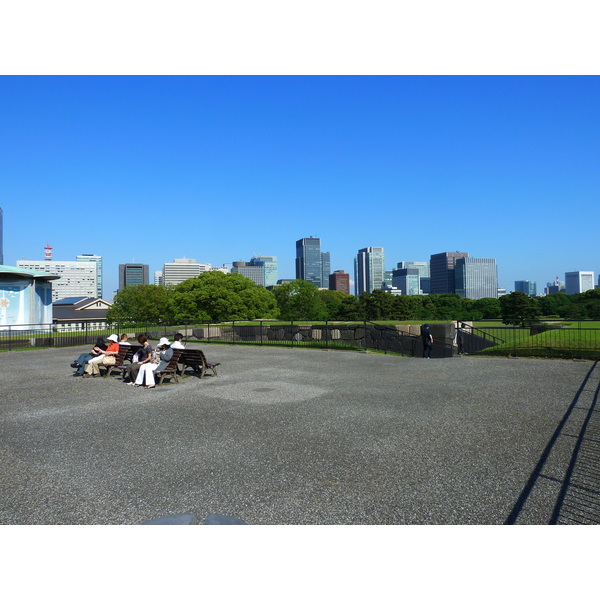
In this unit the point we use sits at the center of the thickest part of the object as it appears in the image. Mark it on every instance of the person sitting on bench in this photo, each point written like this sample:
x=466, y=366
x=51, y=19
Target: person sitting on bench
x=159, y=362
x=108, y=357
x=85, y=357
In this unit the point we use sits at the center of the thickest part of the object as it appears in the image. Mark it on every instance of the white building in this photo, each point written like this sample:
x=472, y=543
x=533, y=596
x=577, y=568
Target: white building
x=77, y=279
x=181, y=269
x=577, y=282
x=98, y=261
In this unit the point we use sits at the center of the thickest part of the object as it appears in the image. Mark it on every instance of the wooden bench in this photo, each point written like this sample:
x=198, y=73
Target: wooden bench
x=196, y=358
x=125, y=353
x=170, y=370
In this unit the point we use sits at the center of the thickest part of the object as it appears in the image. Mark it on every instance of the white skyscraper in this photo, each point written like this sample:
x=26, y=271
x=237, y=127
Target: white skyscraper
x=577, y=282
x=181, y=269
x=98, y=261
x=77, y=279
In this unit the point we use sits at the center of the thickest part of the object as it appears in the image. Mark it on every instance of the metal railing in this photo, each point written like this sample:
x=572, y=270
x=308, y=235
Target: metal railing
x=541, y=340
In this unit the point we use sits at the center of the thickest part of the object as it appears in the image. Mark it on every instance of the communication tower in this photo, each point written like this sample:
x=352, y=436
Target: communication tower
x=48, y=252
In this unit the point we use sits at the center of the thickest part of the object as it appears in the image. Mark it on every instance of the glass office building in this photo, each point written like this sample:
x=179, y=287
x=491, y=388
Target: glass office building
x=369, y=270
x=311, y=264
x=476, y=278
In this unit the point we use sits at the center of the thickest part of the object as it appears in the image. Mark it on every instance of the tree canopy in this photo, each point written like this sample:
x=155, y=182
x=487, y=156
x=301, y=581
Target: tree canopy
x=215, y=296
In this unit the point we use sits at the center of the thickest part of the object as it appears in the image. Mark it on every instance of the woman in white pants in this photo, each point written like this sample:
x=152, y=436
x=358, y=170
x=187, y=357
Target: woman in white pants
x=158, y=363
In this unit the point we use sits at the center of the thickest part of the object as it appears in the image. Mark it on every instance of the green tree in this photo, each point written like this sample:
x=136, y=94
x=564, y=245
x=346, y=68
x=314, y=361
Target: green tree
x=488, y=307
x=339, y=305
x=215, y=296
x=142, y=303
x=555, y=304
x=518, y=308
x=379, y=305
x=300, y=300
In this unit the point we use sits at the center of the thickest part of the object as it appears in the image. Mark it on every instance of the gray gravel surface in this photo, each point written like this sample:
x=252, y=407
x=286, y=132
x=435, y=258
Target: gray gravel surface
x=290, y=436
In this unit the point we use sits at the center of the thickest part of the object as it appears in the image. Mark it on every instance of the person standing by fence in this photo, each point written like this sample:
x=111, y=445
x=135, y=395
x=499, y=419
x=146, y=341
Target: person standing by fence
x=427, y=338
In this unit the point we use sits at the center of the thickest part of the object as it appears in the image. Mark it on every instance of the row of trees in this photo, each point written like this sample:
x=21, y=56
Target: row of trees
x=214, y=297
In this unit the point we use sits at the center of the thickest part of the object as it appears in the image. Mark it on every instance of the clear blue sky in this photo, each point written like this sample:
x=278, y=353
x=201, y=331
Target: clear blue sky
x=220, y=168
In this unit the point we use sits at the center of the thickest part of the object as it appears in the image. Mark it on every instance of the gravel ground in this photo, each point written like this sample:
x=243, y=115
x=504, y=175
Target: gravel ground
x=292, y=436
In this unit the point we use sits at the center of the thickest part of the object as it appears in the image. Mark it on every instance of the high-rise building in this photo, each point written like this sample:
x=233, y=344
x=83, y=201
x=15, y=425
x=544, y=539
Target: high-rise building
x=476, y=278
x=158, y=277
x=577, y=282
x=254, y=272
x=369, y=269
x=78, y=279
x=553, y=287
x=424, y=273
x=325, y=269
x=407, y=281
x=442, y=271
x=340, y=281
x=98, y=261
x=181, y=269
x=311, y=264
x=1, y=237
x=269, y=265
x=527, y=287
x=133, y=274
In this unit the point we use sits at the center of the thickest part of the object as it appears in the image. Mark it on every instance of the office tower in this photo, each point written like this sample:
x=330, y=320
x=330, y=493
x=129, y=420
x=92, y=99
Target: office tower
x=1, y=237
x=269, y=264
x=553, y=287
x=181, y=269
x=442, y=271
x=527, y=287
x=369, y=269
x=424, y=273
x=133, y=274
x=98, y=261
x=407, y=281
x=158, y=277
x=311, y=264
x=78, y=279
x=325, y=269
x=476, y=278
x=254, y=272
x=340, y=281
x=577, y=282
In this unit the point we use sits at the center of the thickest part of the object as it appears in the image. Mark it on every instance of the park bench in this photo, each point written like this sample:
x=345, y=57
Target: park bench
x=196, y=358
x=125, y=353
x=170, y=370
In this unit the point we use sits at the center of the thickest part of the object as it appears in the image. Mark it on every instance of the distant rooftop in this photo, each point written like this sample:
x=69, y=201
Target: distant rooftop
x=70, y=300
x=20, y=272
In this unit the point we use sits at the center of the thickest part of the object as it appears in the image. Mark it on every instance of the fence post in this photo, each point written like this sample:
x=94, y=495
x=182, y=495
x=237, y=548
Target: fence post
x=233, y=332
x=208, y=329
x=365, y=337
x=292, y=332
x=261, y=333
x=326, y=335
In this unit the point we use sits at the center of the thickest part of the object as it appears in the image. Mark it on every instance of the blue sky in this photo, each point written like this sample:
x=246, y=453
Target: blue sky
x=218, y=168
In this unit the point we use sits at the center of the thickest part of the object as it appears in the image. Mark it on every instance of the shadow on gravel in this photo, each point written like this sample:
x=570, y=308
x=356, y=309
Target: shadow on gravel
x=578, y=497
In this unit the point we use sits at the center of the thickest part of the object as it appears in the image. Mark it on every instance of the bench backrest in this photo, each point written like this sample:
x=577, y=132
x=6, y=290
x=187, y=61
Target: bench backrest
x=174, y=360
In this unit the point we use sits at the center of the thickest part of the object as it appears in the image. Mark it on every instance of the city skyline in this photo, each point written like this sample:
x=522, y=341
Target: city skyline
x=416, y=165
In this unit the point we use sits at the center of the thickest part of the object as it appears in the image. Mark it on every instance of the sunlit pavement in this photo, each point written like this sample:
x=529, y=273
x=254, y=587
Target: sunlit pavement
x=294, y=436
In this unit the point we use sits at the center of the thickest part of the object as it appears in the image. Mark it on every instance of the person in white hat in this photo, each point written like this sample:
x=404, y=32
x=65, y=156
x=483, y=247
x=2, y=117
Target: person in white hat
x=107, y=357
x=158, y=363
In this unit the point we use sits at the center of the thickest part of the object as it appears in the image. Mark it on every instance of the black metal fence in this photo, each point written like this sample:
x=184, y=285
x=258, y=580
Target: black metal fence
x=326, y=335
x=543, y=340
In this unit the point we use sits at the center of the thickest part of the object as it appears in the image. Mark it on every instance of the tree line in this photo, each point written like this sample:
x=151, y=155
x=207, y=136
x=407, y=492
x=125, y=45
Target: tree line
x=214, y=297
